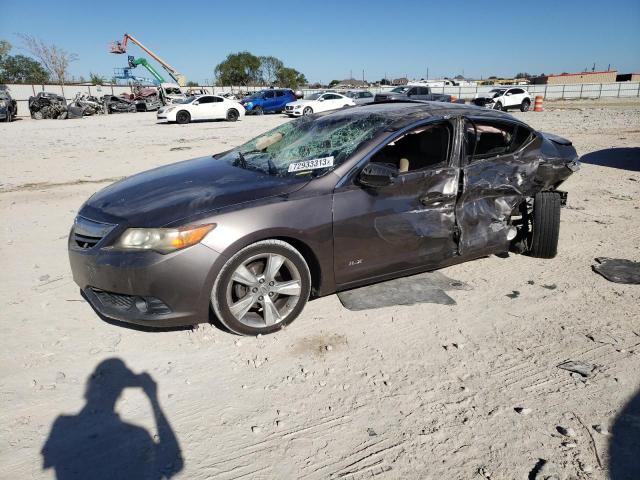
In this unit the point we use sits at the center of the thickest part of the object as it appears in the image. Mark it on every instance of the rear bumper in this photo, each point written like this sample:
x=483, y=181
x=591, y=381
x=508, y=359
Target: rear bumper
x=148, y=288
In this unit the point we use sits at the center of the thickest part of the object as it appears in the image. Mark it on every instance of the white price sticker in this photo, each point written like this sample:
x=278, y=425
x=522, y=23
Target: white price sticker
x=311, y=164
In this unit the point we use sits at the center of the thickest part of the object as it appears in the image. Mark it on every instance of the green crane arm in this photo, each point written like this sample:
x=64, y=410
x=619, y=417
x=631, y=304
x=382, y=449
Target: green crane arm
x=143, y=61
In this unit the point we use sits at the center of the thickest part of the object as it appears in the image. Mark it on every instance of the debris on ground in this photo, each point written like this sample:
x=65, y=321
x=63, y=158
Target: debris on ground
x=48, y=105
x=146, y=99
x=566, y=431
x=581, y=368
x=618, y=270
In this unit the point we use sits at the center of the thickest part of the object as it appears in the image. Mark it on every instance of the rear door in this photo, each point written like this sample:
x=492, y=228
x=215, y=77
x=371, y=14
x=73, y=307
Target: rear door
x=496, y=177
x=270, y=101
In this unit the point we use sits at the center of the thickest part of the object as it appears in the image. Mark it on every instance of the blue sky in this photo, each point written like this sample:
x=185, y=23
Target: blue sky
x=327, y=40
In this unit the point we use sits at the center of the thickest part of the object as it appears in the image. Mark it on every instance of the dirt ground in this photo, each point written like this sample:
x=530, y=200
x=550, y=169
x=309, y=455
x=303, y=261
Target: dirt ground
x=428, y=391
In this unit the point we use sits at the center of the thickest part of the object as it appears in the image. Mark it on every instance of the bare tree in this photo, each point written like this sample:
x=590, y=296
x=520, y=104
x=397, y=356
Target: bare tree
x=54, y=59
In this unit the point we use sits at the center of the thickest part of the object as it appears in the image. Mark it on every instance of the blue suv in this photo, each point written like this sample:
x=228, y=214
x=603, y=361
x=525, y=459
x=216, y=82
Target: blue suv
x=272, y=100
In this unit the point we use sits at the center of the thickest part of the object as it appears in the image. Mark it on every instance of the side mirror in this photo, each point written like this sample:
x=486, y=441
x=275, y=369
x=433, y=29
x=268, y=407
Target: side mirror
x=321, y=99
x=196, y=102
x=377, y=175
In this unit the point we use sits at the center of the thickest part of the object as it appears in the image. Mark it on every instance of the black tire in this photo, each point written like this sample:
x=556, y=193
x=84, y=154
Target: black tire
x=307, y=111
x=258, y=110
x=498, y=106
x=232, y=115
x=524, y=106
x=183, y=117
x=546, y=225
x=219, y=300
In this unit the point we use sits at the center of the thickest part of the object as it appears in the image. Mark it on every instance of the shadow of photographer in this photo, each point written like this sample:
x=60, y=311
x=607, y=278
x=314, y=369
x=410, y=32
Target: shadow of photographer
x=624, y=444
x=96, y=443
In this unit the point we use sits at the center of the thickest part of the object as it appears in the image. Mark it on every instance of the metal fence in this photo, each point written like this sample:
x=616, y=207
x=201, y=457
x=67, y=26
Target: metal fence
x=22, y=92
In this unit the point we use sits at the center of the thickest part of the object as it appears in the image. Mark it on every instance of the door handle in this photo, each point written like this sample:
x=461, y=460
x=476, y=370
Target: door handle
x=431, y=197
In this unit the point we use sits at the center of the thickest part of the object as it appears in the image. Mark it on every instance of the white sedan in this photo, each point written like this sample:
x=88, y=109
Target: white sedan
x=504, y=98
x=202, y=107
x=318, y=102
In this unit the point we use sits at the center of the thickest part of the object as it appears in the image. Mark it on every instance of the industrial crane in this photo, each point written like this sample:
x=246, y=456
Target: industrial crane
x=121, y=47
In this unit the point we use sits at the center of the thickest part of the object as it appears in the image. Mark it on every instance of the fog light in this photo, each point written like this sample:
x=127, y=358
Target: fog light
x=141, y=304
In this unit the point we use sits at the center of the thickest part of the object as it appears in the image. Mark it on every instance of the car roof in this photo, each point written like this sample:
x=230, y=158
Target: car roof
x=407, y=112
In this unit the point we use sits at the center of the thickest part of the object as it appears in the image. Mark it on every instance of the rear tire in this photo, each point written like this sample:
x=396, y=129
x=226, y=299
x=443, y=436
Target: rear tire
x=232, y=115
x=524, y=106
x=546, y=225
x=183, y=117
x=238, y=299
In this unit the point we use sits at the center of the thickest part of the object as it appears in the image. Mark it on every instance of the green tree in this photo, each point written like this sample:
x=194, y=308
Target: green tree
x=385, y=81
x=21, y=69
x=242, y=68
x=5, y=48
x=290, y=77
x=96, y=79
x=53, y=58
x=191, y=83
x=332, y=83
x=269, y=67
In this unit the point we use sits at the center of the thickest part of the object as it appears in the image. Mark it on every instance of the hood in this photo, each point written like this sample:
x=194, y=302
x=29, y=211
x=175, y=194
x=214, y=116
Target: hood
x=168, y=194
x=301, y=102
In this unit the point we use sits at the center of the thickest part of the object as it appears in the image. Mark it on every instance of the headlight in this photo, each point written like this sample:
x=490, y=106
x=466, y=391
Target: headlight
x=3, y=103
x=163, y=240
x=170, y=109
x=297, y=106
x=248, y=104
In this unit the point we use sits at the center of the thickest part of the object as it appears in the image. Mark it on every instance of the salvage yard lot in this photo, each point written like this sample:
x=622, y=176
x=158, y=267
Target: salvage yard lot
x=422, y=391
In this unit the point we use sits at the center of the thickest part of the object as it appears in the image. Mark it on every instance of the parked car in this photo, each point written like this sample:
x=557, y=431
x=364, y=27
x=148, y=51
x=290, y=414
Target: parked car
x=8, y=106
x=318, y=102
x=504, y=99
x=318, y=205
x=412, y=93
x=171, y=93
x=360, y=97
x=271, y=100
x=204, y=107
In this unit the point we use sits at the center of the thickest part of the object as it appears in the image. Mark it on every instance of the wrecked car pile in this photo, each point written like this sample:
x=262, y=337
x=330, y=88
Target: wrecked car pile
x=146, y=99
x=114, y=104
x=84, y=105
x=48, y=105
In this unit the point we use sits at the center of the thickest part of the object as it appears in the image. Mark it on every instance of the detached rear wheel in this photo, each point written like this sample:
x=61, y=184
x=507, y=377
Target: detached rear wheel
x=545, y=225
x=183, y=117
x=262, y=288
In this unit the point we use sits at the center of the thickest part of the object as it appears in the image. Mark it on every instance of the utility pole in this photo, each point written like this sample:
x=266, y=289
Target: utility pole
x=427, y=73
x=363, y=75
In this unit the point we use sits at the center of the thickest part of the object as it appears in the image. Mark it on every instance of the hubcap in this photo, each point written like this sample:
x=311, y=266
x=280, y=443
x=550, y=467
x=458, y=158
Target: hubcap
x=264, y=290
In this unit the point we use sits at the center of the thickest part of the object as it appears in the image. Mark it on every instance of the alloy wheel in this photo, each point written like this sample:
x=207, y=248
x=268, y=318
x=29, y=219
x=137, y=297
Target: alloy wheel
x=264, y=290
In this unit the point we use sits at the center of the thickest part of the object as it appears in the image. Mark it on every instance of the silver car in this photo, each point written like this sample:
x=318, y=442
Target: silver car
x=360, y=96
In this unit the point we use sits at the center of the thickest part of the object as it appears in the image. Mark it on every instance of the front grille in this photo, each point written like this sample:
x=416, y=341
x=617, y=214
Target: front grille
x=88, y=233
x=115, y=300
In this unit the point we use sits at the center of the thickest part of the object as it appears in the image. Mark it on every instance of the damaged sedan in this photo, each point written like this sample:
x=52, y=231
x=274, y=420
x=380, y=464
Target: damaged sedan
x=318, y=205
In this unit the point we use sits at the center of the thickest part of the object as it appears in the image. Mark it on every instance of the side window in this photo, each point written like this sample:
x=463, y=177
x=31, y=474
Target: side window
x=217, y=99
x=412, y=91
x=331, y=96
x=203, y=100
x=269, y=94
x=279, y=93
x=423, y=91
x=425, y=147
x=367, y=95
x=517, y=91
x=488, y=138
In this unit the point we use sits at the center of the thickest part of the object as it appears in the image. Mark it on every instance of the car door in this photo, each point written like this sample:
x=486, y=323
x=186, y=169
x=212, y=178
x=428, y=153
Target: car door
x=218, y=107
x=269, y=103
x=496, y=176
x=511, y=97
x=202, y=108
x=406, y=225
x=322, y=103
x=280, y=100
x=332, y=101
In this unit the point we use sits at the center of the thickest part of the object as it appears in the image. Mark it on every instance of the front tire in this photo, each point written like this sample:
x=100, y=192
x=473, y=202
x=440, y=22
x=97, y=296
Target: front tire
x=546, y=225
x=307, y=111
x=262, y=288
x=258, y=111
x=524, y=106
x=183, y=117
x=232, y=115
x=498, y=106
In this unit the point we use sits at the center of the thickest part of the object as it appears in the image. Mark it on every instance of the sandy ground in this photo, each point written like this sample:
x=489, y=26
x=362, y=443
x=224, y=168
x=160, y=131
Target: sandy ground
x=425, y=391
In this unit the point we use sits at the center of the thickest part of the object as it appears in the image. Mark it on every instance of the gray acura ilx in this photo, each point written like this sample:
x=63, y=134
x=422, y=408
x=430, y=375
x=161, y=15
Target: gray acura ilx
x=320, y=204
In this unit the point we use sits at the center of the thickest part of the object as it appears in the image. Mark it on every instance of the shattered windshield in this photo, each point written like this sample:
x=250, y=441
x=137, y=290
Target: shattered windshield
x=307, y=146
x=400, y=89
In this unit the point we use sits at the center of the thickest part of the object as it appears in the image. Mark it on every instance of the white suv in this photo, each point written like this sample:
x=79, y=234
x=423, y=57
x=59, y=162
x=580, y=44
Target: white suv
x=504, y=98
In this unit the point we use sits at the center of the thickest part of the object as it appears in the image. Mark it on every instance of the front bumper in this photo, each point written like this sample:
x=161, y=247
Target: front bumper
x=147, y=288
